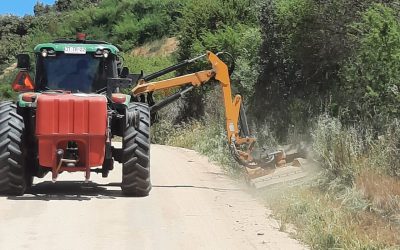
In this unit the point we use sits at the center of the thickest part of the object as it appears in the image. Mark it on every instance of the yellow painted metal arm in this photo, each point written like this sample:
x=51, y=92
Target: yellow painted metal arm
x=220, y=72
x=195, y=79
x=241, y=147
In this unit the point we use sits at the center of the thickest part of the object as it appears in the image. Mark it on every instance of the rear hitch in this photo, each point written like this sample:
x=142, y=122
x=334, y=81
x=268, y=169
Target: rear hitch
x=61, y=161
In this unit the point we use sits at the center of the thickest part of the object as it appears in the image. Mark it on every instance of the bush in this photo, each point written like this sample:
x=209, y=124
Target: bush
x=345, y=152
x=372, y=76
x=315, y=57
x=226, y=25
x=243, y=42
x=338, y=148
x=304, y=42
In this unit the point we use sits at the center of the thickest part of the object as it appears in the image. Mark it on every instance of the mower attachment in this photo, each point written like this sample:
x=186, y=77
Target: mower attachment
x=241, y=143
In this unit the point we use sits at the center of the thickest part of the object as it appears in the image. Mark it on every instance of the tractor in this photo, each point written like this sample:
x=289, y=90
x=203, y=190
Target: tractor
x=67, y=117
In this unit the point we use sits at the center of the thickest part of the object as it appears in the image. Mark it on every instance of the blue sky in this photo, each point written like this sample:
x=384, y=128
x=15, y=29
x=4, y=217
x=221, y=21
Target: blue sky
x=20, y=7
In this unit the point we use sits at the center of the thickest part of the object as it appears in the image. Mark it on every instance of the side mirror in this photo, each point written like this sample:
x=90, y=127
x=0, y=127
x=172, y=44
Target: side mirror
x=124, y=72
x=23, y=61
x=114, y=84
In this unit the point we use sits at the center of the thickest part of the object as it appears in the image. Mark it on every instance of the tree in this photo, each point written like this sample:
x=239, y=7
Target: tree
x=41, y=9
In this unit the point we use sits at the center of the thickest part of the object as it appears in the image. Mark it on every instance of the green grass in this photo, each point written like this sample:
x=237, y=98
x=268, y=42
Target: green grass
x=6, y=92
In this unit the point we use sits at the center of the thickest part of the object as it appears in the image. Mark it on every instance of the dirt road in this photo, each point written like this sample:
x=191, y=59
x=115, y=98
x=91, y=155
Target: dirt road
x=193, y=205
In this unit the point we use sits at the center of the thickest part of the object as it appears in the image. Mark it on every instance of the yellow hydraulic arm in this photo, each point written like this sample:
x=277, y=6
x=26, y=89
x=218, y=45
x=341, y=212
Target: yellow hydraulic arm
x=241, y=148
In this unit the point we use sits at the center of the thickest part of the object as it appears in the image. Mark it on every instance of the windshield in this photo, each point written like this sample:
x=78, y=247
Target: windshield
x=75, y=73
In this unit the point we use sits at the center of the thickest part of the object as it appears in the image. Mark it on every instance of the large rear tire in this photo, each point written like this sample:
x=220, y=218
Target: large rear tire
x=13, y=178
x=136, y=153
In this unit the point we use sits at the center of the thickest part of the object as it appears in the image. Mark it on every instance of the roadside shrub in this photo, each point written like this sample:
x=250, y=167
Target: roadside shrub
x=345, y=152
x=243, y=42
x=330, y=56
x=337, y=148
x=384, y=153
x=222, y=28
x=372, y=75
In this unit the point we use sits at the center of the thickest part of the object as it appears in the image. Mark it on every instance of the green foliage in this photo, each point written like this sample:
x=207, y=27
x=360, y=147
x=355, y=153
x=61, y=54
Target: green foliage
x=148, y=63
x=6, y=91
x=207, y=137
x=130, y=23
x=372, y=75
x=337, y=148
x=41, y=9
x=301, y=49
x=215, y=16
x=222, y=25
x=68, y=5
x=308, y=48
x=383, y=154
x=134, y=31
x=291, y=13
x=243, y=42
x=127, y=30
x=13, y=36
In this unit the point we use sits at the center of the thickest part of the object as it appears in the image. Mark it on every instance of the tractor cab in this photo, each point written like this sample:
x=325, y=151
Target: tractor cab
x=76, y=67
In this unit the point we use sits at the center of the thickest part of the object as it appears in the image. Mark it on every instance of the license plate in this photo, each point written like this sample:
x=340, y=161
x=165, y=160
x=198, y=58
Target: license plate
x=75, y=50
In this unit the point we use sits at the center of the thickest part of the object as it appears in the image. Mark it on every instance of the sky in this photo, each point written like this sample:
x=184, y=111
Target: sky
x=20, y=7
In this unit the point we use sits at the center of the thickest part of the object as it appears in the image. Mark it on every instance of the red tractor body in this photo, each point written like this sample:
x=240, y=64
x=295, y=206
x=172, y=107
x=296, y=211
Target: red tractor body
x=65, y=118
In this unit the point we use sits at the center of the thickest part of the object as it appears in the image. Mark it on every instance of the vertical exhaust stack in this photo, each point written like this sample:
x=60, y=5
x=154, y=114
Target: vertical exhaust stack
x=80, y=36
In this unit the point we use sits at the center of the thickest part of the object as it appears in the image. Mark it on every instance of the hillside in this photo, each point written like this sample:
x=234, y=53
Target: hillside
x=322, y=72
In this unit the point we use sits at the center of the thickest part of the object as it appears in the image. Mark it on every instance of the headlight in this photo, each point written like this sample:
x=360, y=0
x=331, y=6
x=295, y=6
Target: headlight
x=44, y=53
x=106, y=53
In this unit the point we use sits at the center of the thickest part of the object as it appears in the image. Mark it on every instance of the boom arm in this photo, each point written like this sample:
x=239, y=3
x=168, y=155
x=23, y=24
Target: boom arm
x=219, y=72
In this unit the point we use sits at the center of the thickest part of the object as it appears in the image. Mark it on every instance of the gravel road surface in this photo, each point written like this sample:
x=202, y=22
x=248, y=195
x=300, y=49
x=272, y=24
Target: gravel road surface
x=193, y=205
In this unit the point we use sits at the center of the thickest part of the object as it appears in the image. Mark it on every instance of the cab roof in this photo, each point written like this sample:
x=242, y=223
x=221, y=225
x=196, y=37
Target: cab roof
x=89, y=45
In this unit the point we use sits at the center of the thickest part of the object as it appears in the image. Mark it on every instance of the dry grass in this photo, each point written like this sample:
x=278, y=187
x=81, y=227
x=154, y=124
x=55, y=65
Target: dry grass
x=356, y=205
x=322, y=221
x=373, y=227
x=383, y=191
x=163, y=47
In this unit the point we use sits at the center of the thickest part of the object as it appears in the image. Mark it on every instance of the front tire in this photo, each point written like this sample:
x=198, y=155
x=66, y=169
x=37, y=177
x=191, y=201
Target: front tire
x=13, y=179
x=136, y=153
